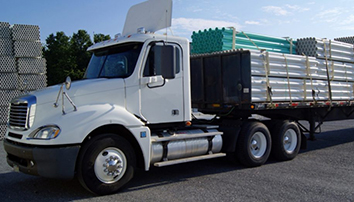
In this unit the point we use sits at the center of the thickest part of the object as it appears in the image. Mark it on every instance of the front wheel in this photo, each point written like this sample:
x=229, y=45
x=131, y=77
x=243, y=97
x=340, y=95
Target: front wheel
x=106, y=163
x=253, y=145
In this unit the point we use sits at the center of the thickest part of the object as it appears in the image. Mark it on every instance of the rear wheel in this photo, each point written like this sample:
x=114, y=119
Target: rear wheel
x=106, y=163
x=286, y=140
x=253, y=145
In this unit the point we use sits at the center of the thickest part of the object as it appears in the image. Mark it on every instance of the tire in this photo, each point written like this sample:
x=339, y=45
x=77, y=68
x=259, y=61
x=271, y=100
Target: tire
x=105, y=164
x=286, y=138
x=253, y=145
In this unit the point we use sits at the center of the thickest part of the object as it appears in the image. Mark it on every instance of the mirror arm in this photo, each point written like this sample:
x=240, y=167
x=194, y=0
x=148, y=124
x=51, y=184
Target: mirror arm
x=164, y=82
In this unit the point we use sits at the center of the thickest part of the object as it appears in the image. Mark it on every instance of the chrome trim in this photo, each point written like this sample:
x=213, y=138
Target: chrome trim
x=67, y=84
x=19, y=113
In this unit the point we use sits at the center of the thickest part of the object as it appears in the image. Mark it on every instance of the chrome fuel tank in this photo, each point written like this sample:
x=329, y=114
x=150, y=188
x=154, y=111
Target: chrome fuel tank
x=177, y=149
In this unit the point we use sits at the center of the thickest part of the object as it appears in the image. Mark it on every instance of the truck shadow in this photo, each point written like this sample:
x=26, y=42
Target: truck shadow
x=22, y=187
x=34, y=188
x=162, y=176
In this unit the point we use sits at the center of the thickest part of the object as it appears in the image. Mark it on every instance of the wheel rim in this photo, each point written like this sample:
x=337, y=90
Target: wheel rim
x=110, y=165
x=290, y=141
x=258, y=145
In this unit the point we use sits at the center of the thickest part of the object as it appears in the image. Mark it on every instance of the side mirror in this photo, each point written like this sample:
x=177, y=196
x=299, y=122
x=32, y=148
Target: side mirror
x=68, y=83
x=168, y=62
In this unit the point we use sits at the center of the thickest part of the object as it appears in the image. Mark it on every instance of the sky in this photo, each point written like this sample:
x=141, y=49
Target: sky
x=291, y=18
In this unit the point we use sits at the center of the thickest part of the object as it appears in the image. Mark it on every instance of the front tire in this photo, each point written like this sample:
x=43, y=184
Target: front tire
x=253, y=145
x=106, y=163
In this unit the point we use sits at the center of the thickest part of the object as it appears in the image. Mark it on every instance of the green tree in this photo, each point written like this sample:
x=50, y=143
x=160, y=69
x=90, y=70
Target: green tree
x=68, y=56
x=57, y=54
x=100, y=37
x=79, y=43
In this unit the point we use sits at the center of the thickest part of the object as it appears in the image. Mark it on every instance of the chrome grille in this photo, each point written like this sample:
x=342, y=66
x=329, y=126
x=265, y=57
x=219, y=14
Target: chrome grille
x=18, y=115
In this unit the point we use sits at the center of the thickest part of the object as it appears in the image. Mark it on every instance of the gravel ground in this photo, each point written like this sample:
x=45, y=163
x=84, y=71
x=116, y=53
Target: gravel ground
x=322, y=172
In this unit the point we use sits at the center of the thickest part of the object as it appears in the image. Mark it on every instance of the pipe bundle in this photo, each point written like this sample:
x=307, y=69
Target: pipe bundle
x=295, y=78
x=262, y=42
x=22, y=67
x=214, y=40
x=326, y=49
x=349, y=39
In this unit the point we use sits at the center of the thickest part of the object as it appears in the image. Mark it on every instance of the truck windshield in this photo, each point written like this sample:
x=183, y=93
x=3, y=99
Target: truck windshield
x=115, y=62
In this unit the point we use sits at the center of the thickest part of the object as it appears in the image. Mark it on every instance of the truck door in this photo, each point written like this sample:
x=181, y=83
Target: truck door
x=161, y=99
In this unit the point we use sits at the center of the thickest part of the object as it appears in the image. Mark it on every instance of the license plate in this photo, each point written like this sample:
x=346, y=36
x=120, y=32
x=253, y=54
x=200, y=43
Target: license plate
x=16, y=168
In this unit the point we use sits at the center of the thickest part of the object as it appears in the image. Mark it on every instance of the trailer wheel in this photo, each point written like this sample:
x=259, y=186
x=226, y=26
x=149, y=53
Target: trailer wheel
x=253, y=145
x=286, y=140
x=106, y=163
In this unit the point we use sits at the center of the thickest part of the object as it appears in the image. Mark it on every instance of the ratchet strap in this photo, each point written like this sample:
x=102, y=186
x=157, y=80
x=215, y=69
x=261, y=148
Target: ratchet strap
x=287, y=75
x=327, y=70
x=267, y=71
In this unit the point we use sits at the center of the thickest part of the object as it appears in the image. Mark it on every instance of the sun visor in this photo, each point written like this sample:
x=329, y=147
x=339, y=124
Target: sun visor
x=153, y=15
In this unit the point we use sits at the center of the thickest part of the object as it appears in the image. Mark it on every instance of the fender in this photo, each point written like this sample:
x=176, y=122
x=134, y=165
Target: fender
x=76, y=125
x=92, y=117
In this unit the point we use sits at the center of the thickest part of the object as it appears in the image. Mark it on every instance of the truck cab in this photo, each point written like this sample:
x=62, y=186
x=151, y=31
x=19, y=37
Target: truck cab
x=153, y=74
x=131, y=109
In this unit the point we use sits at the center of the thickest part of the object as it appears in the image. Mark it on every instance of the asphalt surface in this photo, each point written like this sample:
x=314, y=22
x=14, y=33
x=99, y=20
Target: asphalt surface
x=322, y=172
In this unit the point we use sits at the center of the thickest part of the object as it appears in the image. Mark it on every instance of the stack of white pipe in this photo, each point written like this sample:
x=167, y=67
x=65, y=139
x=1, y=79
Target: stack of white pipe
x=296, y=78
x=324, y=48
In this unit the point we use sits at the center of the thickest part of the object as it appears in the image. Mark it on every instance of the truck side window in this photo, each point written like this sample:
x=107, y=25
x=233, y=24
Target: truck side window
x=152, y=67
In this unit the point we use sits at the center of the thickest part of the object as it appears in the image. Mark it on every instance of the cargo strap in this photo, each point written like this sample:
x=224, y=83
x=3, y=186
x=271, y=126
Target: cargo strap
x=352, y=93
x=327, y=71
x=330, y=48
x=309, y=75
x=287, y=75
x=332, y=71
x=347, y=82
x=233, y=38
x=267, y=71
x=251, y=41
x=291, y=44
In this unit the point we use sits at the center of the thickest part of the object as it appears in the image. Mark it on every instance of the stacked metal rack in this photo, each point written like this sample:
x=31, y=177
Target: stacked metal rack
x=28, y=51
x=22, y=67
x=8, y=73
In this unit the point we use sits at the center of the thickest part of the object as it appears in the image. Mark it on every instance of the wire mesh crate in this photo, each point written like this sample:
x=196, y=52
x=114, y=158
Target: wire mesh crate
x=27, y=49
x=8, y=81
x=30, y=82
x=7, y=64
x=25, y=32
x=7, y=95
x=5, y=31
x=31, y=65
x=6, y=47
x=4, y=110
x=2, y=131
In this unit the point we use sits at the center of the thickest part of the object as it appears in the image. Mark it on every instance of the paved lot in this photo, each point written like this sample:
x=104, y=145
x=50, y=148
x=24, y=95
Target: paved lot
x=323, y=172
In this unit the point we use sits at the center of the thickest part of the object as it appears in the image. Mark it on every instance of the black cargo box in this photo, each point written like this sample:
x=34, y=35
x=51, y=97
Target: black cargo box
x=221, y=81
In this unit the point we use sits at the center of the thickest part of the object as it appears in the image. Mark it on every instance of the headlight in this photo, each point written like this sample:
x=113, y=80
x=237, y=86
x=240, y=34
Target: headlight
x=45, y=132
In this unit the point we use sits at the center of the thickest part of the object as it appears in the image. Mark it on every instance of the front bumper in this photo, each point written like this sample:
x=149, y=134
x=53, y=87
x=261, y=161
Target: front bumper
x=45, y=161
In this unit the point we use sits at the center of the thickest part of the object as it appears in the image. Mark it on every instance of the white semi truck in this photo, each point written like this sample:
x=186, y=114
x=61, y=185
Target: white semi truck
x=134, y=109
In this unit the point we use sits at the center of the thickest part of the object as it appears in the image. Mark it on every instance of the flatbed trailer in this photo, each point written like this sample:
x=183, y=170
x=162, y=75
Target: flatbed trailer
x=222, y=85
